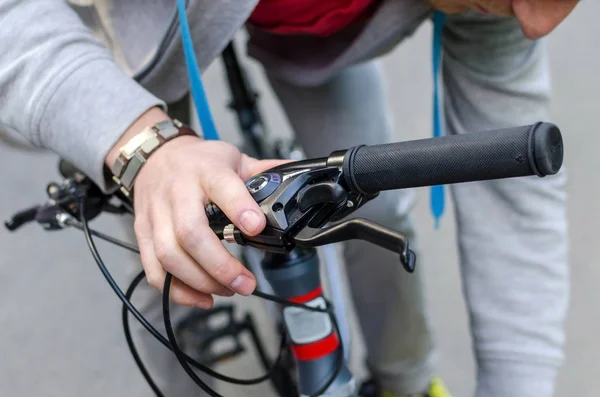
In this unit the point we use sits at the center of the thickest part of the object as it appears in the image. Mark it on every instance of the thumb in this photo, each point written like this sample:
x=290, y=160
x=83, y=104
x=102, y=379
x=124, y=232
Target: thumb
x=251, y=166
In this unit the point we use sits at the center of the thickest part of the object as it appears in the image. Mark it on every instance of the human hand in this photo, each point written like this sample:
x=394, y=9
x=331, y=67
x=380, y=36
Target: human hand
x=171, y=227
x=496, y=7
x=537, y=17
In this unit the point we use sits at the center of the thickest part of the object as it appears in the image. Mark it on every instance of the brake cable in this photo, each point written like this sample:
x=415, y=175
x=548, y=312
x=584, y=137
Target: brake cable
x=171, y=343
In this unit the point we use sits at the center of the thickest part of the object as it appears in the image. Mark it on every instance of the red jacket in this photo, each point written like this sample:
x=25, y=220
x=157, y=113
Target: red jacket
x=309, y=17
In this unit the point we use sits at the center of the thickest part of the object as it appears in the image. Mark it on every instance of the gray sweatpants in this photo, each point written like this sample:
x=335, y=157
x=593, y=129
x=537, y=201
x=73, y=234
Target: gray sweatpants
x=512, y=233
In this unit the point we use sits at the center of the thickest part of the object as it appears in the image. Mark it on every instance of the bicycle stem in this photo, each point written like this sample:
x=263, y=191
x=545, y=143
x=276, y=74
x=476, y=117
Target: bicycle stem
x=315, y=343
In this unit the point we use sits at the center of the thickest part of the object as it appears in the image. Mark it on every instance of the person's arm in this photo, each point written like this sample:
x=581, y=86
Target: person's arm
x=60, y=87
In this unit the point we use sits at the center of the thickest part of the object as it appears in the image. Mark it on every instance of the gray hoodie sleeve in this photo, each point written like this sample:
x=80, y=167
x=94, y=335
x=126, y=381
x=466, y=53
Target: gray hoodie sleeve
x=60, y=87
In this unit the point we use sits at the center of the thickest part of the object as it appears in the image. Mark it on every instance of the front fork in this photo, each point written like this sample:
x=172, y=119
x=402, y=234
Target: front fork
x=315, y=343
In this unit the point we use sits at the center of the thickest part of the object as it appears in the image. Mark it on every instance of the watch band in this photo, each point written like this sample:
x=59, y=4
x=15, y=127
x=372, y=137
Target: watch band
x=134, y=154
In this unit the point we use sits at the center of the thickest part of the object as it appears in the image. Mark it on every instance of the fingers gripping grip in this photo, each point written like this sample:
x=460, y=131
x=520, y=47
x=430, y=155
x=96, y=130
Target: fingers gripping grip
x=529, y=150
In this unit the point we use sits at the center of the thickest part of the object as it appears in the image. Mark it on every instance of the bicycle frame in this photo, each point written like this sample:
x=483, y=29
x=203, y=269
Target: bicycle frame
x=300, y=200
x=316, y=349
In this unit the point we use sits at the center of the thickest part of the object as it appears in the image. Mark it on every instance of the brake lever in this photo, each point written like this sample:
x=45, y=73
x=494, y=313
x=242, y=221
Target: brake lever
x=274, y=240
x=298, y=200
x=50, y=216
x=21, y=218
x=360, y=229
x=63, y=202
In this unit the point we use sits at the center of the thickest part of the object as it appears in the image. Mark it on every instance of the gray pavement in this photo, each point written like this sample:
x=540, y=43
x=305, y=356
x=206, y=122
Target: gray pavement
x=61, y=332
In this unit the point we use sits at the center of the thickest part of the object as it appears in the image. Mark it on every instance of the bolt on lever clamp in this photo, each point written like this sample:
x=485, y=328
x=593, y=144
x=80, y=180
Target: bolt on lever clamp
x=299, y=199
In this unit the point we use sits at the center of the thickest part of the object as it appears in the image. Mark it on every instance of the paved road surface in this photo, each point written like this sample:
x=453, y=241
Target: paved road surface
x=61, y=333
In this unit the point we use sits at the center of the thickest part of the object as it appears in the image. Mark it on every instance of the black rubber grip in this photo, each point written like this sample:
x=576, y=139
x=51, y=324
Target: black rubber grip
x=529, y=150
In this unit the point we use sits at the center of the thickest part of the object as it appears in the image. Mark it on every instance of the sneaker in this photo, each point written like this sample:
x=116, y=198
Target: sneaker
x=436, y=389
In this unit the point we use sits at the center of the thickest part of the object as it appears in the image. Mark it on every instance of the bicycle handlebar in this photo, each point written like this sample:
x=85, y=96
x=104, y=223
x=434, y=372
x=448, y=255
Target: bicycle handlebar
x=520, y=151
x=300, y=199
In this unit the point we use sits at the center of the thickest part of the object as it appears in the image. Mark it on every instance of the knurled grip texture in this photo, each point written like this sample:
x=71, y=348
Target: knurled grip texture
x=528, y=150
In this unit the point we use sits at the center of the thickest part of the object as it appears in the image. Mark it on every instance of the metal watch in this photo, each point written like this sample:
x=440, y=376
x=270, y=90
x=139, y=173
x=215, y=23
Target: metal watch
x=134, y=154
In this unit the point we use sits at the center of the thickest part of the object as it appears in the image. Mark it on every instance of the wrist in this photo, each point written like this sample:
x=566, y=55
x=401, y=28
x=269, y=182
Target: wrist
x=148, y=119
x=133, y=149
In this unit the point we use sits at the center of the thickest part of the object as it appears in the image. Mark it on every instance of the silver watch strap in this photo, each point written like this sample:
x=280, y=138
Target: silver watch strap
x=134, y=154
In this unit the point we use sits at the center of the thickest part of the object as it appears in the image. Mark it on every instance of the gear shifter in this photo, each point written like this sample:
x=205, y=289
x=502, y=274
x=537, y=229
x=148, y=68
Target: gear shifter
x=299, y=200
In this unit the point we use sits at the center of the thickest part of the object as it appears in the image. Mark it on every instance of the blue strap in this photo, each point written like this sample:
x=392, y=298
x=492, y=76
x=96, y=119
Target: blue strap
x=437, y=192
x=207, y=123
x=210, y=131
